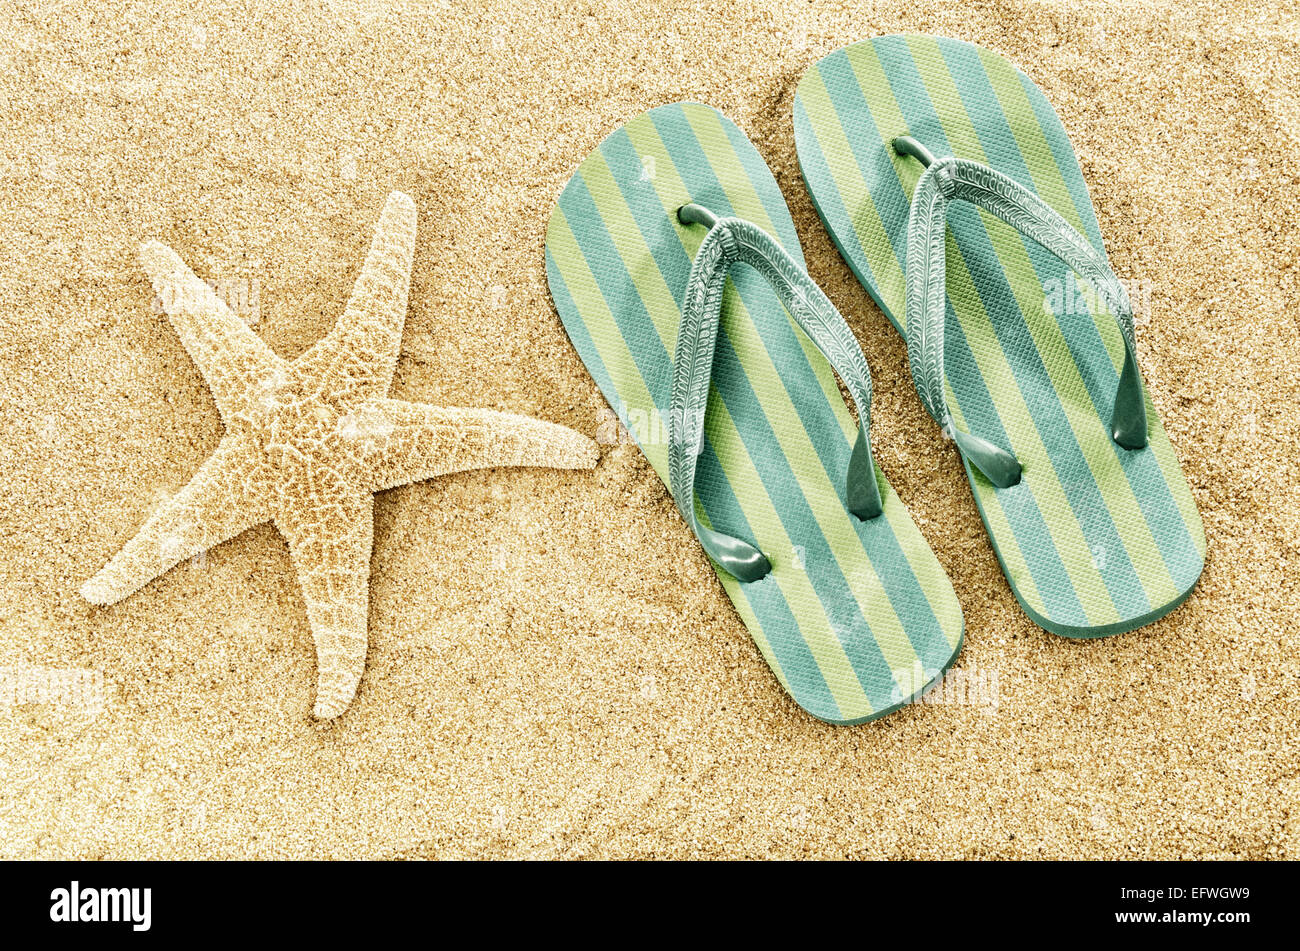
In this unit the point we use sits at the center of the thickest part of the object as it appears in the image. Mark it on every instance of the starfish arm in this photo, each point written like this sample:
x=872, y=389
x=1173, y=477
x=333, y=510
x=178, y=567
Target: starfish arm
x=406, y=442
x=329, y=527
x=227, y=495
x=232, y=359
x=357, y=358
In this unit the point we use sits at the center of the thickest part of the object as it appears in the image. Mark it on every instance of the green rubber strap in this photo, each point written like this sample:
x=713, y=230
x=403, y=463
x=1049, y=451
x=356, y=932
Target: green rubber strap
x=736, y=241
x=953, y=179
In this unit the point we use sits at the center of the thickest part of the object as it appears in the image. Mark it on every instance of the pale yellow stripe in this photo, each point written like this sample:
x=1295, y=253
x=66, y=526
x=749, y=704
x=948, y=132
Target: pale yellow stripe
x=830, y=517
x=631, y=386
x=604, y=331
x=670, y=189
x=1014, y=99
x=803, y=600
x=1008, y=547
x=1026, y=445
x=1126, y=514
x=820, y=493
x=871, y=78
x=707, y=124
x=887, y=272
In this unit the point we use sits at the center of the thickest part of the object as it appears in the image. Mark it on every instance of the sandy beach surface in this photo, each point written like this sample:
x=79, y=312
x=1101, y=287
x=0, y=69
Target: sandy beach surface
x=554, y=670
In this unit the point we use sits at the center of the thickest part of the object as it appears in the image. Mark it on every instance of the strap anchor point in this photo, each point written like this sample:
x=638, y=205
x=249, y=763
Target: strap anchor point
x=693, y=214
x=906, y=145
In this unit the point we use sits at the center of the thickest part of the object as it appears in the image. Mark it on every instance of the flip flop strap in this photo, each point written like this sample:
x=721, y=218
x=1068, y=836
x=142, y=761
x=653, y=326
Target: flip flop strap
x=953, y=179
x=731, y=241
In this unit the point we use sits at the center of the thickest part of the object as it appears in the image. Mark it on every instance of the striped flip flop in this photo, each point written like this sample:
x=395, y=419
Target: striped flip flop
x=746, y=426
x=950, y=187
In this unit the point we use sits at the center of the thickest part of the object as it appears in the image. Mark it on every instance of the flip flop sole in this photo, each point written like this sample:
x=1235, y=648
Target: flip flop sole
x=1095, y=539
x=855, y=618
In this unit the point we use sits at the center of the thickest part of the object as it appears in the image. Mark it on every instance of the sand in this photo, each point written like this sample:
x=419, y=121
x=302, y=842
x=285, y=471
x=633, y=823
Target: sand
x=554, y=670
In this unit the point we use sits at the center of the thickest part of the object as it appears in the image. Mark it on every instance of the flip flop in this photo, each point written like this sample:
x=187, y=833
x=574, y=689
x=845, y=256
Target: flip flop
x=1031, y=371
x=746, y=426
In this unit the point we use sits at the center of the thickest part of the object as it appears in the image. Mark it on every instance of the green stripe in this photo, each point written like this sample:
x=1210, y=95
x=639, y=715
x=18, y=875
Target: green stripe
x=1124, y=514
x=972, y=98
x=1003, y=392
x=1076, y=207
x=820, y=489
x=749, y=451
x=758, y=507
x=722, y=432
x=782, y=416
x=612, y=349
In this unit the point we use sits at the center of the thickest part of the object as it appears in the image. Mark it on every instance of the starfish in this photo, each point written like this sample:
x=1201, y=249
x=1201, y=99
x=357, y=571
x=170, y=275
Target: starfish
x=307, y=442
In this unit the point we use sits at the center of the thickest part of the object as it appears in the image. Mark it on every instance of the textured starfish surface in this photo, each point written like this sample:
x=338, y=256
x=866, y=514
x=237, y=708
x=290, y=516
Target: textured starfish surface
x=307, y=442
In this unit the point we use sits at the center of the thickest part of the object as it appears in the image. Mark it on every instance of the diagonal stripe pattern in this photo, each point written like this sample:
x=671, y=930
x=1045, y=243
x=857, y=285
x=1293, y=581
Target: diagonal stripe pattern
x=856, y=617
x=1095, y=539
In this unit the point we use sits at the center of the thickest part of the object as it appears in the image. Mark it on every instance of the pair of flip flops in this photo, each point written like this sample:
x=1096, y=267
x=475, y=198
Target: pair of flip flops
x=950, y=187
